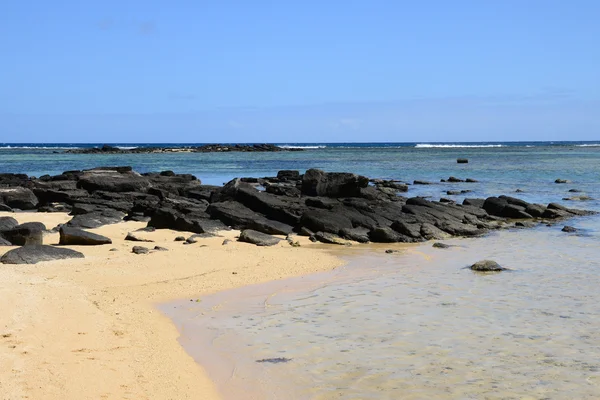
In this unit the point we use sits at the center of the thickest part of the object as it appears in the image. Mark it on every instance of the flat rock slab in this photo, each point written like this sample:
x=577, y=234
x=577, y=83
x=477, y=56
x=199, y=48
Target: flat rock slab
x=79, y=237
x=35, y=253
x=258, y=238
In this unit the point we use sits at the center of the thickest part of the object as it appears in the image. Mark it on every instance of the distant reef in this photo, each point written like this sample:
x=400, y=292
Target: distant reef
x=207, y=148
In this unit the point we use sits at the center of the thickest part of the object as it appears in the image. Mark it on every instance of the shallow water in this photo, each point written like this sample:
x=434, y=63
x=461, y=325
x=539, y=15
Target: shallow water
x=414, y=325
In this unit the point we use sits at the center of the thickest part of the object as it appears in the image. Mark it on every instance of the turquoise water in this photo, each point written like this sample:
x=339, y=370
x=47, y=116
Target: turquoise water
x=415, y=324
x=527, y=166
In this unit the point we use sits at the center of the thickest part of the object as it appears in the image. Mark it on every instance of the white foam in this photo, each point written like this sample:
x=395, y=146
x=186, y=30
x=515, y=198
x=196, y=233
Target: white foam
x=287, y=146
x=443, y=146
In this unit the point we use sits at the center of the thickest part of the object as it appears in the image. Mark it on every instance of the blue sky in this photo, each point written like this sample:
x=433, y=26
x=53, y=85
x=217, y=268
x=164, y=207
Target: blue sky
x=302, y=71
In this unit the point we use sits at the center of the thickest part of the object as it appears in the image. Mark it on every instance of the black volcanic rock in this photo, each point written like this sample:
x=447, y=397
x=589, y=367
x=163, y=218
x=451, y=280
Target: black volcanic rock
x=112, y=181
x=29, y=233
x=325, y=221
x=7, y=223
x=341, y=204
x=35, y=253
x=18, y=197
x=221, y=148
x=241, y=217
x=79, y=237
x=258, y=238
x=332, y=184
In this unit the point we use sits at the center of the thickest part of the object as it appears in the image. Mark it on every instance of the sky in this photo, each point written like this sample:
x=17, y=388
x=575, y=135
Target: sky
x=299, y=71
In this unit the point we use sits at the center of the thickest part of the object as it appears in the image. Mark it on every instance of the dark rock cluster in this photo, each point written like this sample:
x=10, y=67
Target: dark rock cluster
x=328, y=207
x=207, y=148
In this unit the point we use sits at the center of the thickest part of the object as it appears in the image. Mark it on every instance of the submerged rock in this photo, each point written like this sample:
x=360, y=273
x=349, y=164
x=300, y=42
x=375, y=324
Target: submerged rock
x=439, y=245
x=487, y=266
x=569, y=229
x=35, y=253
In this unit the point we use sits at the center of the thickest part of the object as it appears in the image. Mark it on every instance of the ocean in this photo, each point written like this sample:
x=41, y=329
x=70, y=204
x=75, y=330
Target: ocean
x=414, y=324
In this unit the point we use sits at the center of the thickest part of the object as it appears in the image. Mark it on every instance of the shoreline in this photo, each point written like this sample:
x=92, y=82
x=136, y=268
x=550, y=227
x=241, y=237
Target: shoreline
x=88, y=328
x=198, y=337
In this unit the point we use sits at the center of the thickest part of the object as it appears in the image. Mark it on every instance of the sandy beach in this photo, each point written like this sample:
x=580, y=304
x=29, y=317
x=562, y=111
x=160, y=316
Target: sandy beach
x=88, y=328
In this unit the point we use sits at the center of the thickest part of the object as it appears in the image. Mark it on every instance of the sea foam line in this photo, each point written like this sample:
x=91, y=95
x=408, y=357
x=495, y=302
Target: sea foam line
x=287, y=146
x=428, y=146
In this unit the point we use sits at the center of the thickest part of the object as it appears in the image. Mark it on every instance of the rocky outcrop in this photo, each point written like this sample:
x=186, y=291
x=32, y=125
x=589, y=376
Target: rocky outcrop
x=37, y=253
x=345, y=206
x=209, y=148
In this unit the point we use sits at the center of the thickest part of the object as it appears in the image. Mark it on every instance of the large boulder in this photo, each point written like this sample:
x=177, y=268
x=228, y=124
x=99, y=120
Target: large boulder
x=515, y=211
x=96, y=219
x=283, y=190
x=360, y=235
x=494, y=205
x=325, y=221
x=258, y=238
x=284, y=209
x=172, y=183
x=36, y=253
x=7, y=223
x=79, y=237
x=288, y=175
x=332, y=184
x=387, y=235
x=239, y=216
x=28, y=233
x=229, y=191
x=14, y=180
x=18, y=197
x=113, y=181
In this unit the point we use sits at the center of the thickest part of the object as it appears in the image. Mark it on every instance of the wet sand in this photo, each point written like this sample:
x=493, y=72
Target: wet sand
x=89, y=329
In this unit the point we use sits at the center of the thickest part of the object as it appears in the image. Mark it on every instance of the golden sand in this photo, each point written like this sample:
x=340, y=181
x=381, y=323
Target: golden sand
x=88, y=329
